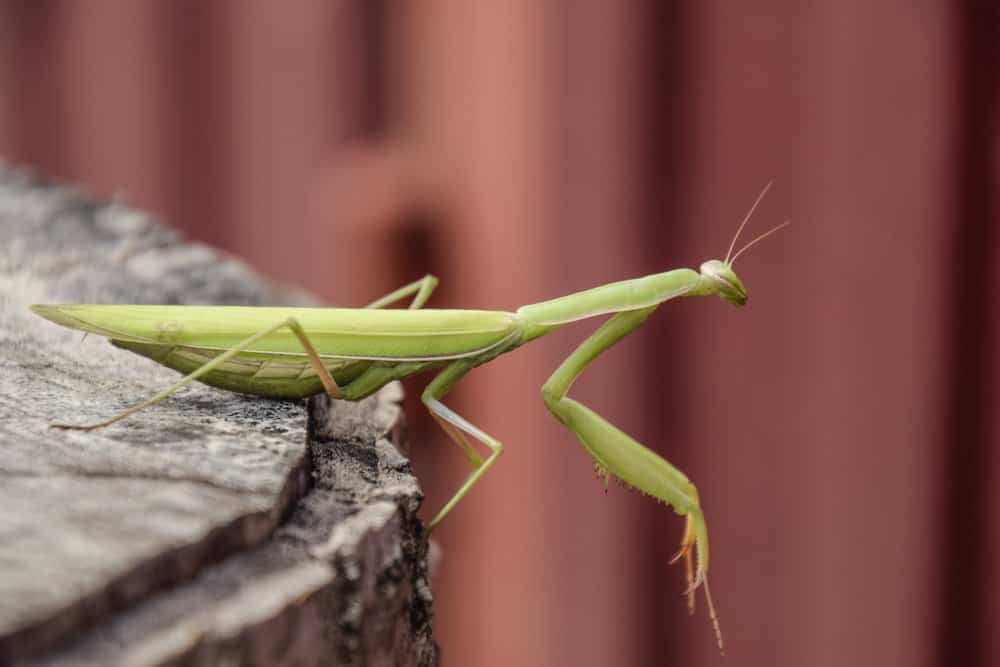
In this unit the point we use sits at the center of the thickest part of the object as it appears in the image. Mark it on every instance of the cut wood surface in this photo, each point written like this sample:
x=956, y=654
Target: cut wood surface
x=212, y=528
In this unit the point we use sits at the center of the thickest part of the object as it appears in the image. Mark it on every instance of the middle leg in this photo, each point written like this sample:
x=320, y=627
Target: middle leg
x=457, y=427
x=422, y=288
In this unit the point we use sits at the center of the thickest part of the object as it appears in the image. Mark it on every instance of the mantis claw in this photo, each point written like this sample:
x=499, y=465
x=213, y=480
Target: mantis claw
x=696, y=577
x=688, y=542
x=692, y=582
x=683, y=551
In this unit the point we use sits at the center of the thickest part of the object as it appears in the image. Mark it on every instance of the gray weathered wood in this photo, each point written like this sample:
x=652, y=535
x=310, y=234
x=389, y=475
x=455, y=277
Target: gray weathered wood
x=213, y=528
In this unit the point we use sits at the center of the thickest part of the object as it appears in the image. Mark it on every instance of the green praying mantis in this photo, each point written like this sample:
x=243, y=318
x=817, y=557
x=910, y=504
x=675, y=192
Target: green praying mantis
x=350, y=353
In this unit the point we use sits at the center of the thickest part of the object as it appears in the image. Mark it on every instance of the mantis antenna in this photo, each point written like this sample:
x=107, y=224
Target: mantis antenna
x=745, y=220
x=759, y=238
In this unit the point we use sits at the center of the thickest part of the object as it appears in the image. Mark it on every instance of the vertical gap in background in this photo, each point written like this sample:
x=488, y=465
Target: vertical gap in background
x=965, y=565
x=373, y=79
x=195, y=152
x=664, y=51
x=413, y=252
x=355, y=39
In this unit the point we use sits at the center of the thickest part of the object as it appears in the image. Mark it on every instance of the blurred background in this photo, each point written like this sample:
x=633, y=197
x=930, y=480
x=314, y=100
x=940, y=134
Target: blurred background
x=842, y=429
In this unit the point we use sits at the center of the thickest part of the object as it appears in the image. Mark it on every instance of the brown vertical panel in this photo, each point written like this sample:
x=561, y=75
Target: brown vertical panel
x=886, y=110
x=514, y=614
x=489, y=111
x=595, y=212
x=191, y=36
x=276, y=80
x=822, y=399
x=27, y=109
x=729, y=368
x=91, y=103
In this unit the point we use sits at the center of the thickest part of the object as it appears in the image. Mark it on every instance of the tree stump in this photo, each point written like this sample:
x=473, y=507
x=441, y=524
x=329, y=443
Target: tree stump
x=212, y=528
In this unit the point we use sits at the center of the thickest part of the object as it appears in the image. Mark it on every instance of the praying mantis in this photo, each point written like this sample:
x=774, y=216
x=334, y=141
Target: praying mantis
x=350, y=353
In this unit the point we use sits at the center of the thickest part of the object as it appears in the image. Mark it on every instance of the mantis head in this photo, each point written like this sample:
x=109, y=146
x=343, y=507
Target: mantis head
x=724, y=281
x=719, y=275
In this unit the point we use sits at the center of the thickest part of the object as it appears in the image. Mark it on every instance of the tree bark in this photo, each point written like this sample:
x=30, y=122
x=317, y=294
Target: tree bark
x=211, y=528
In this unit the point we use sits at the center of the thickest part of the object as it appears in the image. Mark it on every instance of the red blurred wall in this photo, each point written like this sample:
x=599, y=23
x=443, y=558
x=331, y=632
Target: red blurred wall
x=842, y=429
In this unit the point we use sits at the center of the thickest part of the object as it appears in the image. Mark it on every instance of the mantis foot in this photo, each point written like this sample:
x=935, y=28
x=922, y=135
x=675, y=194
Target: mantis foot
x=696, y=576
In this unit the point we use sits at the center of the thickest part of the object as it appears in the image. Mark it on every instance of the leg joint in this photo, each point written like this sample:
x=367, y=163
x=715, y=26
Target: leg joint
x=551, y=395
